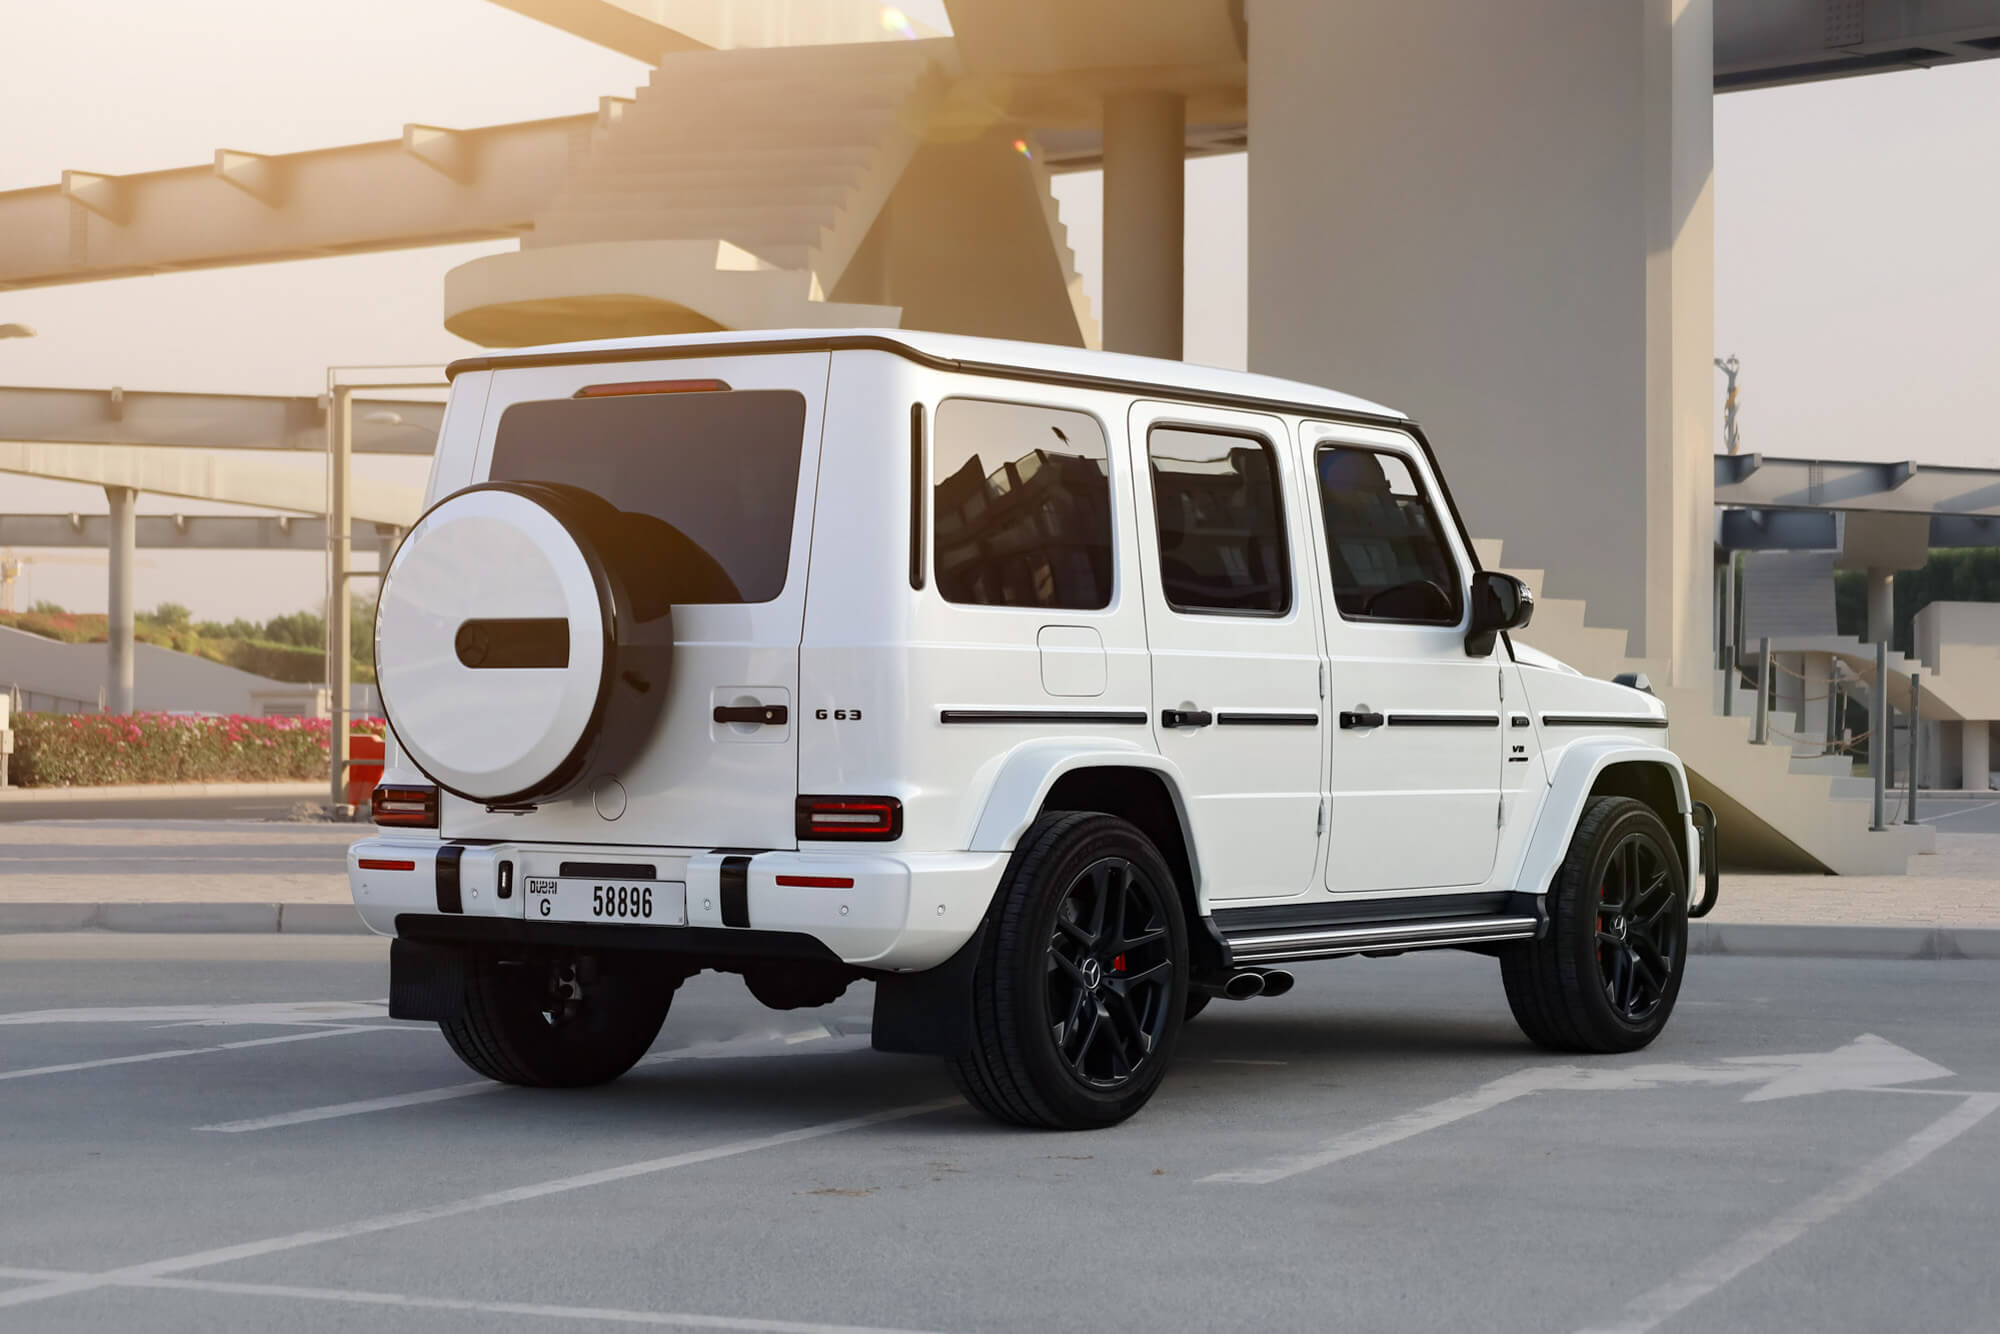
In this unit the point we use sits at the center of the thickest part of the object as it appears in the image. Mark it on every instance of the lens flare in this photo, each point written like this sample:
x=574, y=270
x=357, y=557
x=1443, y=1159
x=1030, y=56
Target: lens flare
x=896, y=21
x=1021, y=147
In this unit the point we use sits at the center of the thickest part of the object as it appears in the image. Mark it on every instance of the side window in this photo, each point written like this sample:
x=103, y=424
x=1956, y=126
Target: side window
x=1221, y=522
x=1389, y=559
x=1023, y=506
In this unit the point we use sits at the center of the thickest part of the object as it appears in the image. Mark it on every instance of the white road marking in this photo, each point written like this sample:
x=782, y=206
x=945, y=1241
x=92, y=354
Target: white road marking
x=1396, y=1128
x=198, y=1051
x=1868, y=1062
x=263, y=1012
x=608, y=1315
x=248, y=1250
x=715, y=1051
x=1952, y=815
x=1691, y=1285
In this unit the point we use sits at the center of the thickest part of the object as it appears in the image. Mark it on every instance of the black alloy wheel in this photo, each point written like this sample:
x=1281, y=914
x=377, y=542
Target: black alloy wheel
x=1078, y=995
x=1605, y=973
x=1110, y=973
x=1638, y=945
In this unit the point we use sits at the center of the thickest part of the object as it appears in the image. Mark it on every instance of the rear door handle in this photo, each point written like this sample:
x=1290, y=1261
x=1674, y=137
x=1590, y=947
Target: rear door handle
x=1186, y=717
x=1350, y=719
x=771, y=715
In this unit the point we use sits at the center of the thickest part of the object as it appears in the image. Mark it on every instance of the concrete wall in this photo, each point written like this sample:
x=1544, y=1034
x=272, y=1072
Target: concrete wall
x=62, y=676
x=1498, y=218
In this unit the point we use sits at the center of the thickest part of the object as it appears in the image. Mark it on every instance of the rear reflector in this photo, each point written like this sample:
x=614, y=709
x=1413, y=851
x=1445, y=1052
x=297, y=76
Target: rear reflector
x=406, y=805
x=860, y=819
x=651, y=387
x=810, y=881
x=375, y=864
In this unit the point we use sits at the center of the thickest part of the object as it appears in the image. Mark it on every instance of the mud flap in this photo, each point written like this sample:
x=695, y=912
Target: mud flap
x=929, y=1013
x=425, y=981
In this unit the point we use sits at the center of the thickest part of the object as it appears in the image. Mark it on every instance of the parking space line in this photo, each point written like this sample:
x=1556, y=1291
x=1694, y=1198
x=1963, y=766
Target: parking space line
x=250, y=1250
x=411, y=1301
x=735, y=1047
x=198, y=1051
x=1691, y=1285
x=1368, y=1138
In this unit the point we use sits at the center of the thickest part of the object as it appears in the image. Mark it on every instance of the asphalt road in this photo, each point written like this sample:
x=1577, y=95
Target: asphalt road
x=1378, y=1150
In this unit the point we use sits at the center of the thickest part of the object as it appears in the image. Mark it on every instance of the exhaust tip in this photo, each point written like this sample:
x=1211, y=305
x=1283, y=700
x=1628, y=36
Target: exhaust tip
x=1242, y=986
x=1277, y=982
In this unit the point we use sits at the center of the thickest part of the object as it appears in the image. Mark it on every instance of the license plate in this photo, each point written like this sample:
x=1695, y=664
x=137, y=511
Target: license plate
x=575, y=899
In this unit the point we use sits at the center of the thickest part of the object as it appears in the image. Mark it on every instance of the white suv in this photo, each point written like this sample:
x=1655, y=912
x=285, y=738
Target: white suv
x=1055, y=692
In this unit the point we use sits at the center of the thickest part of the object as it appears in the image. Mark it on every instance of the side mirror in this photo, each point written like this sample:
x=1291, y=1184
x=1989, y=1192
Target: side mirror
x=1499, y=602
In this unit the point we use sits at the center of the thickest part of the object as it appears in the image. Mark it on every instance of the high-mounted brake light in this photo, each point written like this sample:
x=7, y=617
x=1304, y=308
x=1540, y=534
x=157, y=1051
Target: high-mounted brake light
x=651, y=387
x=877, y=819
x=406, y=805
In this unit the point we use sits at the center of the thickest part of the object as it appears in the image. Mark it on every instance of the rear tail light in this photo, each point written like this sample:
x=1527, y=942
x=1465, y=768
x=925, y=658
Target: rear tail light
x=626, y=387
x=859, y=819
x=386, y=864
x=405, y=805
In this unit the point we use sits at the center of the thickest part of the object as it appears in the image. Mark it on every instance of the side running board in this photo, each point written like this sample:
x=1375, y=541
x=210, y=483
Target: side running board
x=1289, y=933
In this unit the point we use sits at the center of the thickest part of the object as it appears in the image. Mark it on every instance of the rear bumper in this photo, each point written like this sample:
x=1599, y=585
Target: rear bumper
x=902, y=912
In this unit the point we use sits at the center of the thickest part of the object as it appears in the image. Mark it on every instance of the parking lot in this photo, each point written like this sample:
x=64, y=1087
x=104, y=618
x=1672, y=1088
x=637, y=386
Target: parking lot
x=227, y=1132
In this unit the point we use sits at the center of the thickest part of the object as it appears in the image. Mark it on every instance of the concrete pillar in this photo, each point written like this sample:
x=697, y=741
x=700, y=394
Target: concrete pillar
x=124, y=558
x=1145, y=194
x=1881, y=606
x=339, y=613
x=1975, y=754
x=1499, y=218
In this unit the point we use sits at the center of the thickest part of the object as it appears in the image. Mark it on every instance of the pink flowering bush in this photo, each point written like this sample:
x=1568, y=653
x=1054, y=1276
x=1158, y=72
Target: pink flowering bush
x=92, y=749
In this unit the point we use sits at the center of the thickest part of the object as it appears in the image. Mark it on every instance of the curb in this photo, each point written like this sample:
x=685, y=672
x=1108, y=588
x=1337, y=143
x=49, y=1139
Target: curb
x=317, y=919
x=1782, y=939
x=129, y=791
x=1750, y=939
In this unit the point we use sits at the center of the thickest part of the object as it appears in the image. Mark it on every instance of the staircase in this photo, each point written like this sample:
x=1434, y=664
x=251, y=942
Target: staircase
x=787, y=153
x=1776, y=811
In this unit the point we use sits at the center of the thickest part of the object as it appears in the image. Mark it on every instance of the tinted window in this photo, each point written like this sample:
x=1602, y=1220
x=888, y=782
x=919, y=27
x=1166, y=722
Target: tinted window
x=1221, y=523
x=1023, y=506
x=704, y=483
x=1389, y=557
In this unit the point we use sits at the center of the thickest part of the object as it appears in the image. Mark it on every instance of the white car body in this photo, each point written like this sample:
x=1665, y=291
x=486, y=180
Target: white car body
x=1442, y=824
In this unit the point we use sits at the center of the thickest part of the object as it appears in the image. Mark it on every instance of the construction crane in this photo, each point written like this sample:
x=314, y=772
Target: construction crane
x=1730, y=438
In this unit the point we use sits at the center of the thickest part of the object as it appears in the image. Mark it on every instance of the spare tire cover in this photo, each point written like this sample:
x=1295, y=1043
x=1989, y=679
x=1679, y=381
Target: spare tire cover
x=497, y=639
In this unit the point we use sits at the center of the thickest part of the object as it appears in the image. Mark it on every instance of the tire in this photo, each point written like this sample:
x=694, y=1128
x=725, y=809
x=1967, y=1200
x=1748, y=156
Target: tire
x=1197, y=1001
x=520, y=1024
x=1052, y=944
x=1605, y=975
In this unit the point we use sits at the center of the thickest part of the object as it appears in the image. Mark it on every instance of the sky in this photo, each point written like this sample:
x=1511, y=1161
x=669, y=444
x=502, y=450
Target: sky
x=1854, y=226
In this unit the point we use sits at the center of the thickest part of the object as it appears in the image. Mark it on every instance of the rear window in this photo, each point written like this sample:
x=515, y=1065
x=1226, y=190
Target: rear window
x=720, y=470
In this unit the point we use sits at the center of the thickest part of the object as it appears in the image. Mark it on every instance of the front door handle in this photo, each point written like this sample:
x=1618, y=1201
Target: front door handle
x=1350, y=718
x=1186, y=717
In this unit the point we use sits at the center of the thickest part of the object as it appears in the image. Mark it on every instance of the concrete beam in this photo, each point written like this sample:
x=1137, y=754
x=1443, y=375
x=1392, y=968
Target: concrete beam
x=197, y=474
x=609, y=24
x=211, y=421
x=188, y=532
x=1759, y=481
x=430, y=187
x=1757, y=530
x=1763, y=43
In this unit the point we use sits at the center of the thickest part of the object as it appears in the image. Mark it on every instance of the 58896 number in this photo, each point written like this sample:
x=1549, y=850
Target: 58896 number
x=621, y=901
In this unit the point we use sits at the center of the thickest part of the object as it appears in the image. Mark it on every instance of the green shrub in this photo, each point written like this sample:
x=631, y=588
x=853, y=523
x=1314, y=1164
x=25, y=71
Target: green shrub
x=76, y=749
